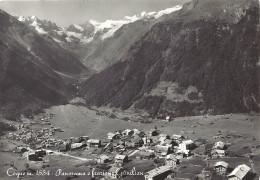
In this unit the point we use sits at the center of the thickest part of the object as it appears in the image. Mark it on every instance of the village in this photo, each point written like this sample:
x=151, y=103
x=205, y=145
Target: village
x=168, y=154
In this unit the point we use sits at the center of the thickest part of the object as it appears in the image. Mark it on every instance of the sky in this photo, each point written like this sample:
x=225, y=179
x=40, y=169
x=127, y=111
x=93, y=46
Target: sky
x=67, y=12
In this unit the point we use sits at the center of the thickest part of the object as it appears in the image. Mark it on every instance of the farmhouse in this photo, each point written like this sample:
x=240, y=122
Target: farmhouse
x=103, y=159
x=121, y=159
x=158, y=173
x=162, y=150
x=219, y=145
x=216, y=153
x=153, y=132
x=241, y=172
x=177, y=138
x=172, y=160
x=187, y=145
x=221, y=167
x=94, y=143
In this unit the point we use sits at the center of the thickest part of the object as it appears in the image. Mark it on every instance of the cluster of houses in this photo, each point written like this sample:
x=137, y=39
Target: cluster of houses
x=41, y=138
x=121, y=146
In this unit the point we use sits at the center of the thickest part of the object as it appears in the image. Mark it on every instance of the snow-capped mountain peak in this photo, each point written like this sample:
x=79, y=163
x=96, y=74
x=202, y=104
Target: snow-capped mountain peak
x=92, y=29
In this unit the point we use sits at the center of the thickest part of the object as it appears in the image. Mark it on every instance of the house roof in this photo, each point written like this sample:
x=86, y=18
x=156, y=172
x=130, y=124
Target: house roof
x=162, y=148
x=240, y=171
x=120, y=157
x=176, y=136
x=187, y=142
x=218, y=151
x=221, y=163
x=93, y=141
x=103, y=156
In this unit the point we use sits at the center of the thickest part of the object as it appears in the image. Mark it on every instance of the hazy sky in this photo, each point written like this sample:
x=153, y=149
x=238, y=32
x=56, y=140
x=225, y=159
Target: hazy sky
x=68, y=12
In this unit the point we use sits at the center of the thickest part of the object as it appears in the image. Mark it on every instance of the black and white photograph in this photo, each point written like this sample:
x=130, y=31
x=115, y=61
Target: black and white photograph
x=129, y=90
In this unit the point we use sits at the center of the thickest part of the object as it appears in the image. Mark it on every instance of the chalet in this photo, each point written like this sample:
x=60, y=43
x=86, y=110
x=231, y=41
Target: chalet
x=177, y=138
x=111, y=136
x=163, y=137
x=172, y=160
x=221, y=167
x=136, y=131
x=94, y=143
x=183, y=153
x=187, y=145
x=162, y=151
x=158, y=173
x=154, y=132
x=121, y=159
x=128, y=132
x=241, y=172
x=147, y=140
x=216, y=153
x=219, y=145
x=103, y=159
x=76, y=145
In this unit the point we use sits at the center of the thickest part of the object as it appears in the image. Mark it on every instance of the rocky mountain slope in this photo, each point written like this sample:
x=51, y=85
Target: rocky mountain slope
x=201, y=59
x=34, y=72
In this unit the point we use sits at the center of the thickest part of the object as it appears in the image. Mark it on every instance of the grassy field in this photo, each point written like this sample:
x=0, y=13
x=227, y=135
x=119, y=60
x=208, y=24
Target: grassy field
x=241, y=131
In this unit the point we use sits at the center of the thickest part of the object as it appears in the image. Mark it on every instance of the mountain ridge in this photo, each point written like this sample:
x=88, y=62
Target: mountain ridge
x=193, y=62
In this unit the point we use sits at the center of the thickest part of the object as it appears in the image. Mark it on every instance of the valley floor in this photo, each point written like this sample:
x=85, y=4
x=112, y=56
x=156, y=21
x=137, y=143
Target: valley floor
x=240, y=131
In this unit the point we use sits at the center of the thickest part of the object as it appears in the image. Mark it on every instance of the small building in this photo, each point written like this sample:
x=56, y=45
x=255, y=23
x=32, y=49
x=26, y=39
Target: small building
x=217, y=153
x=178, y=138
x=121, y=159
x=241, y=172
x=136, y=131
x=221, y=167
x=219, y=145
x=172, y=160
x=111, y=136
x=154, y=132
x=128, y=132
x=94, y=143
x=187, y=145
x=163, y=137
x=162, y=150
x=76, y=145
x=158, y=173
x=103, y=159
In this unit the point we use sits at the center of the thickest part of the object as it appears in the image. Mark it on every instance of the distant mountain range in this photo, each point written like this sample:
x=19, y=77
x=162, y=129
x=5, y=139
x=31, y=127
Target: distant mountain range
x=201, y=59
x=99, y=45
